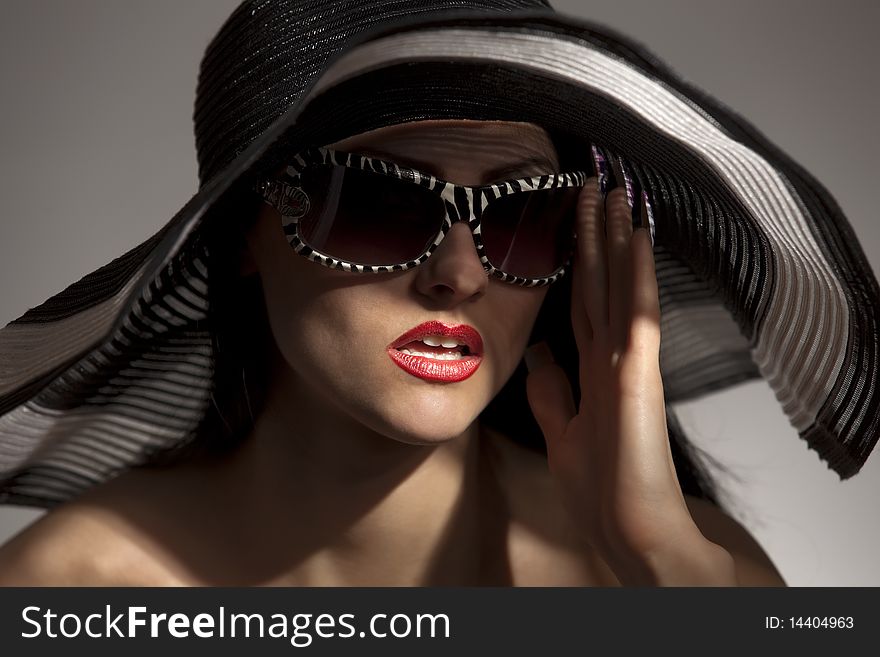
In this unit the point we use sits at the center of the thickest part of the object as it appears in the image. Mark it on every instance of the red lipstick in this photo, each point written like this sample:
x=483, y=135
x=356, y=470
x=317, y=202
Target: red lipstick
x=436, y=362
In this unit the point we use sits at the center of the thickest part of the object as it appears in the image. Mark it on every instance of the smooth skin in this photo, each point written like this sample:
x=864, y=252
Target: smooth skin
x=358, y=474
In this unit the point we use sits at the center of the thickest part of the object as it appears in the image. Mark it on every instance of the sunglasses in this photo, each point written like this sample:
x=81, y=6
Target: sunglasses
x=362, y=214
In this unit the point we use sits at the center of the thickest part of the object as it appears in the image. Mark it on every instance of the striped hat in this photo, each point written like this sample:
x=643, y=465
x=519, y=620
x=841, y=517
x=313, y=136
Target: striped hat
x=760, y=274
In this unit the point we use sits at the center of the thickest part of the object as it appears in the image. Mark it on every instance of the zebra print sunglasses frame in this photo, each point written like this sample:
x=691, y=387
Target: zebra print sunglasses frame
x=292, y=203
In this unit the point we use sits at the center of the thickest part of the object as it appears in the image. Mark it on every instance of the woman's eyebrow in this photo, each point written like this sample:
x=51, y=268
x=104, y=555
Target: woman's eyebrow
x=527, y=166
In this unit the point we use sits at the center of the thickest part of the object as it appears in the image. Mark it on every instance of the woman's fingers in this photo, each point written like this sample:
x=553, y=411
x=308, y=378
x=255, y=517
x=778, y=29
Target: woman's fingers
x=643, y=329
x=644, y=372
x=645, y=294
x=583, y=329
x=591, y=257
x=618, y=226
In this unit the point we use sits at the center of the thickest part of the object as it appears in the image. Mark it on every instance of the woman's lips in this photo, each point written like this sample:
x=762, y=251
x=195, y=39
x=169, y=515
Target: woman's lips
x=446, y=367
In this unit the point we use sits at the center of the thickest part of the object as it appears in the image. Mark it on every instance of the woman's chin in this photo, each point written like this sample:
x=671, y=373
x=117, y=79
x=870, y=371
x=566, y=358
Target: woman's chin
x=430, y=422
x=412, y=437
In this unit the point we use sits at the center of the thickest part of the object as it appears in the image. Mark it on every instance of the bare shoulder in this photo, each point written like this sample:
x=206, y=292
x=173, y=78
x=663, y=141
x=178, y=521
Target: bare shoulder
x=80, y=543
x=543, y=546
x=753, y=566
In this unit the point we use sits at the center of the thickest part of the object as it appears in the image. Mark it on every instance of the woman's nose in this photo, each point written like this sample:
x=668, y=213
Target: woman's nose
x=454, y=272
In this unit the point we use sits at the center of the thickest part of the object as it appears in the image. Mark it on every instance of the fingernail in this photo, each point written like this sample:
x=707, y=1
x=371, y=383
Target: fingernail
x=600, y=167
x=621, y=172
x=637, y=205
x=648, y=215
x=537, y=355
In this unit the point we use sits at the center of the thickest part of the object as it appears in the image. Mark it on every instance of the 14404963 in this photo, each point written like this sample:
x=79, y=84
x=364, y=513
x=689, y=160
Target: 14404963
x=811, y=622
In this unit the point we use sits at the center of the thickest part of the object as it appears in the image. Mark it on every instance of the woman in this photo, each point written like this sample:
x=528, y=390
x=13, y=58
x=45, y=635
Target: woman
x=368, y=461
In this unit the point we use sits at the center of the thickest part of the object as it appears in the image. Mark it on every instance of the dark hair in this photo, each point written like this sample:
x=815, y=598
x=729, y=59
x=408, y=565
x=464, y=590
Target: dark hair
x=242, y=346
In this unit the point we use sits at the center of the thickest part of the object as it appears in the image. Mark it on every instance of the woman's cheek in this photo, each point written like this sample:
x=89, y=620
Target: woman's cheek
x=513, y=324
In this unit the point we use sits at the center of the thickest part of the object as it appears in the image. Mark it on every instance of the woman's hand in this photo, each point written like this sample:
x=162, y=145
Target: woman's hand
x=610, y=454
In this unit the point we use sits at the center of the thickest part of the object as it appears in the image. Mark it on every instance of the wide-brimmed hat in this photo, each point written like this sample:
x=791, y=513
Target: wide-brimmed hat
x=759, y=272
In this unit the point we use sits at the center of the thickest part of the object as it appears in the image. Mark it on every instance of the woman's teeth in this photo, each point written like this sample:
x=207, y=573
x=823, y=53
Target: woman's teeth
x=451, y=355
x=436, y=342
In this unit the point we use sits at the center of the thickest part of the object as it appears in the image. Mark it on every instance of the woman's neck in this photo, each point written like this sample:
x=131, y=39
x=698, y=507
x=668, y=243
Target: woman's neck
x=337, y=503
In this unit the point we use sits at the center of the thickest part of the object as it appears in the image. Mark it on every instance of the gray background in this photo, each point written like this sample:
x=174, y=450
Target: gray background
x=97, y=154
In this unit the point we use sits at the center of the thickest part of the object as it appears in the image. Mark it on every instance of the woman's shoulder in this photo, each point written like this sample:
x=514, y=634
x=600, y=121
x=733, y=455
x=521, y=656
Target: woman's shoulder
x=111, y=535
x=543, y=547
x=542, y=532
x=753, y=565
x=84, y=542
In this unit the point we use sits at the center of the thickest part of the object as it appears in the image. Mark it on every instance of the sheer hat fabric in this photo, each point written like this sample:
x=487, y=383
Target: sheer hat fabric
x=760, y=273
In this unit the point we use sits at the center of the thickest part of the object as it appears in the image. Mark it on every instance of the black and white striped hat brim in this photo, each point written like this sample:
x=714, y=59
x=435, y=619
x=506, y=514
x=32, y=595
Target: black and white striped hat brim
x=760, y=273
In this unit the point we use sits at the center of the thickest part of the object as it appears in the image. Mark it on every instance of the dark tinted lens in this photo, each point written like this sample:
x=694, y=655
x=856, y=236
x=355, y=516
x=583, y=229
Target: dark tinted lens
x=529, y=234
x=368, y=218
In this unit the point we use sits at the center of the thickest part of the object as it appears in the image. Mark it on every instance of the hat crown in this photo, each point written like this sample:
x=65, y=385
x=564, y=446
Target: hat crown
x=268, y=52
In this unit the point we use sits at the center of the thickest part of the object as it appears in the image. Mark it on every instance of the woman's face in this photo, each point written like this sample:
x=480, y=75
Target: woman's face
x=335, y=329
